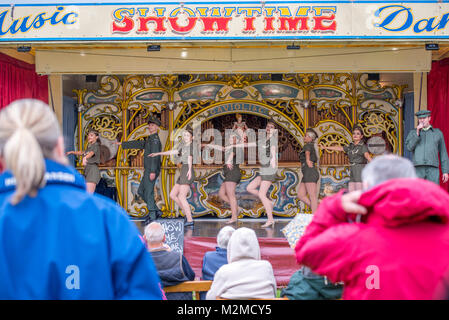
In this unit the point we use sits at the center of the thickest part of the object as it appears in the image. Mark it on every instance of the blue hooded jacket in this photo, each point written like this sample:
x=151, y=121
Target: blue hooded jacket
x=68, y=244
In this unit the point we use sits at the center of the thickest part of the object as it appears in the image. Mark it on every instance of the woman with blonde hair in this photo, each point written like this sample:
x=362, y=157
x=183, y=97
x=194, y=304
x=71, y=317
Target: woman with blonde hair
x=91, y=160
x=61, y=242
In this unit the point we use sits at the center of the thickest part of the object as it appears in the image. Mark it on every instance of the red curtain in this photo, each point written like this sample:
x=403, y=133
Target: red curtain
x=438, y=100
x=19, y=80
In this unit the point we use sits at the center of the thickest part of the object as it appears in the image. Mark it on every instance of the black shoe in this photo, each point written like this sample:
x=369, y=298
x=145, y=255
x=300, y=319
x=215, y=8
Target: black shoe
x=159, y=214
x=188, y=224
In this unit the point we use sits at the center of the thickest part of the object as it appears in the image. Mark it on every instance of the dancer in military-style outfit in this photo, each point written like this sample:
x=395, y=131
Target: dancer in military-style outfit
x=231, y=170
x=91, y=160
x=152, y=166
x=427, y=145
x=307, y=191
x=358, y=155
x=187, y=175
x=260, y=185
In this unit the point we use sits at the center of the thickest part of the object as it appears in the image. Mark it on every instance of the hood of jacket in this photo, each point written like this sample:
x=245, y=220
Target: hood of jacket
x=243, y=244
x=404, y=201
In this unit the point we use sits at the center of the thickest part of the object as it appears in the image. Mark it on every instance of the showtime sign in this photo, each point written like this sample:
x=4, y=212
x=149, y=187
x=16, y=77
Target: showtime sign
x=246, y=20
x=353, y=20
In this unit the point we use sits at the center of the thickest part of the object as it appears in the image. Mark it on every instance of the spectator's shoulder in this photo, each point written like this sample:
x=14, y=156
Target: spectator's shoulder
x=266, y=264
x=209, y=254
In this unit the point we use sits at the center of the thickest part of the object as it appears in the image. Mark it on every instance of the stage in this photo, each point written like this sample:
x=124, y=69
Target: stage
x=274, y=247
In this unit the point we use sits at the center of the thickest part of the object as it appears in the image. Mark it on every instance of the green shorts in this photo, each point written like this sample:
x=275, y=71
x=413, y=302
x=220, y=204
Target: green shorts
x=92, y=173
x=183, y=176
x=267, y=173
x=309, y=174
x=233, y=175
x=355, y=172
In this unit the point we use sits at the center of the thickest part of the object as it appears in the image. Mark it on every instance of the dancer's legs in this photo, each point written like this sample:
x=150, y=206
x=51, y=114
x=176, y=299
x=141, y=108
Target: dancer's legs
x=90, y=187
x=254, y=185
x=311, y=188
x=302, y=194
x=222, y=193
x=230, y=193
x=182, y=196
x=174, y=193
x=267, y=203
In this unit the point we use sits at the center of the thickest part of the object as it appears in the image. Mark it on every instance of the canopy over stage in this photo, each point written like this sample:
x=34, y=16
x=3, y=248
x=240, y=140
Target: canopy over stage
x=273, y=245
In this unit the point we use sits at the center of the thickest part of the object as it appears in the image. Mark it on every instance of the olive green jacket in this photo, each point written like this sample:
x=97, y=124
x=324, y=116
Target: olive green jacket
x=151, y=144
x=426, y=147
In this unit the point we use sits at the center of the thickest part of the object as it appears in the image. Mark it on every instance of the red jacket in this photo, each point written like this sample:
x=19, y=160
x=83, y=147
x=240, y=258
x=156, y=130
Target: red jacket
x=400, y=250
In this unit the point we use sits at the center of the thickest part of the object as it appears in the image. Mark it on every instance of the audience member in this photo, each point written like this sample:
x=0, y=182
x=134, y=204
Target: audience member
x=213, y=260
x=307, y=285
x=172, y=267
x=58, y=241
x=398, y=249
x=245, y=275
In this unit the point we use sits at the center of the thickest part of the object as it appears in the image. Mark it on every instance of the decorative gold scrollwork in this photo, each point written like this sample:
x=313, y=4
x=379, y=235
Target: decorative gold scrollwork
x=107, y=126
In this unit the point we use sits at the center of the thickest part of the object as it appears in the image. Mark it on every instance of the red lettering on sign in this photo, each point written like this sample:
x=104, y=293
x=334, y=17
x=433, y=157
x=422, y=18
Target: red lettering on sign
x=129, y=25
x=293, y=23
x=269, y=24
x=176, y=27
x=249, y=24
x=221, y=23
x=331, y=24
x=143, y=24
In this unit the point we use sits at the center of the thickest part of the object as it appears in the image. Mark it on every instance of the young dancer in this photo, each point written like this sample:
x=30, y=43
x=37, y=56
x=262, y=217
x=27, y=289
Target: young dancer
x=187, y=174
x=91, y=159
x=231, y=171
x=358, y=155
x=307, y=191
x=260, y=185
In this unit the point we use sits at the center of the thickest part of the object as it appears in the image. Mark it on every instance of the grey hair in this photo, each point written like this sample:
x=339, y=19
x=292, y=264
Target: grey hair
x=154, y=232
x=224, y=235
x=29, y=133
x=387, y=167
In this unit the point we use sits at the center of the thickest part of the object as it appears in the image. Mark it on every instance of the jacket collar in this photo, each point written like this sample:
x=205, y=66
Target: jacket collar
x=55, y=173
